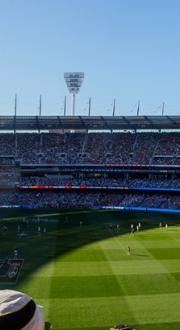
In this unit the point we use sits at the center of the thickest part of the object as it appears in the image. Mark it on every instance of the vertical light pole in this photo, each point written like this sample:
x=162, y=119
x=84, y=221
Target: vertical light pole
x=65, y=106
x=15, y=112
x=15, y=105
x=74, y=104
x=89, y=110
x=163, y=108
x=114, y=107
x=73, y=81
x=40, y=113
x=40, y=106
x=138, y=108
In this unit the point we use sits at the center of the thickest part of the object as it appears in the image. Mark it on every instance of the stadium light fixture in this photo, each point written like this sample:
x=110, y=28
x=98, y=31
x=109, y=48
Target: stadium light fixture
x=73, y=81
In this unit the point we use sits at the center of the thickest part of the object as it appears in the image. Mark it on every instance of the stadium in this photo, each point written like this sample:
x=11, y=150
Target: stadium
x=90, y=218
x=90, y=165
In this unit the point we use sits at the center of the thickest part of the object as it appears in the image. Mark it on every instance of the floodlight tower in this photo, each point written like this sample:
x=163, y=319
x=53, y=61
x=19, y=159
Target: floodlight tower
x=74, y=81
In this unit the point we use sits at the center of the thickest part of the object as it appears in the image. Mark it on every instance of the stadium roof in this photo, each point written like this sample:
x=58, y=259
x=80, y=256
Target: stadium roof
x=88, y=123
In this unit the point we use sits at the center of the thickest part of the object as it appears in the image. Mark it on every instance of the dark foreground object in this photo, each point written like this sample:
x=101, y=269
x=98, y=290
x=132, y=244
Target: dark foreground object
x=122, y=327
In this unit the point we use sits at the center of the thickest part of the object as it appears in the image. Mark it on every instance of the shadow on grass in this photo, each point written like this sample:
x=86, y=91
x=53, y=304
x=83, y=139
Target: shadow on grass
x=64, y=232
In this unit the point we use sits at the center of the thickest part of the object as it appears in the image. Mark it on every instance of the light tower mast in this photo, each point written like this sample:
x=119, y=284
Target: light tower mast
x=74, y=81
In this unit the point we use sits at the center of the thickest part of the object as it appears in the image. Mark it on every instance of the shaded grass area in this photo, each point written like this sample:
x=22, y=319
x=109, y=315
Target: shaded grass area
x=83, y=275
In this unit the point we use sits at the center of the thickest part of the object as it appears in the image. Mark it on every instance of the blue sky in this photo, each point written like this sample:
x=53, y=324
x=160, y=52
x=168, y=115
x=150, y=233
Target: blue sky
x=128, y=50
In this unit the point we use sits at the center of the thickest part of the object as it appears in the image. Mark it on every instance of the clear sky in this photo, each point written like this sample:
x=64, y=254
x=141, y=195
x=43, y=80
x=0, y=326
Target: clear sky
x=128, y=50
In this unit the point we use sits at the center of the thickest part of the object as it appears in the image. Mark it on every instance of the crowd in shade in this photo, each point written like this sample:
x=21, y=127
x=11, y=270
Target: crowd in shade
x=99, y=182
x=81, y=199
x=90, y=148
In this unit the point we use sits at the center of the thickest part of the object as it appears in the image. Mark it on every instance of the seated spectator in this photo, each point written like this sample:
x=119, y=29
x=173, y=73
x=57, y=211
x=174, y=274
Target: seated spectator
x=19, y=311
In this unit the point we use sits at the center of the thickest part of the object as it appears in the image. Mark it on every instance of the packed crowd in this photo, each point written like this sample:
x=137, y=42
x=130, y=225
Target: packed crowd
x=88, y=148
x=100, y=181
x=87, y=200
x=94, y=148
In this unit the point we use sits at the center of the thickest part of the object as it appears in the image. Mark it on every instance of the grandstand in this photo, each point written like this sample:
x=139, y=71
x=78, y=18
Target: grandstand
x=84, y=161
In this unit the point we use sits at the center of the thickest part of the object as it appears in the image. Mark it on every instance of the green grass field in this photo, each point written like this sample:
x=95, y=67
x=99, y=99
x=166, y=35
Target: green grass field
x=85, y=279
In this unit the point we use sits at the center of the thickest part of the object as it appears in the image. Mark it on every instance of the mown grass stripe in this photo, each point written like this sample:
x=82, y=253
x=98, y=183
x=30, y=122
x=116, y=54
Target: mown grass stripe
x=102, y=286
x=99, y=312
x=98, y=268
